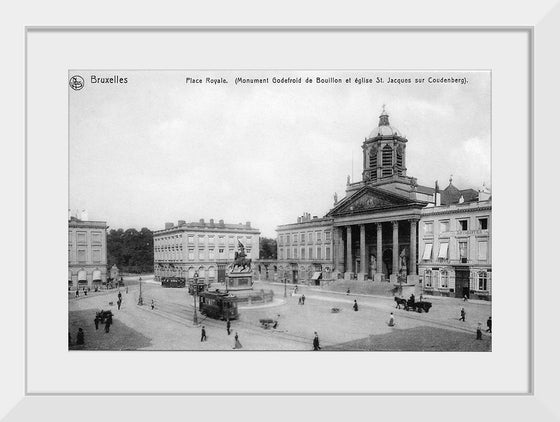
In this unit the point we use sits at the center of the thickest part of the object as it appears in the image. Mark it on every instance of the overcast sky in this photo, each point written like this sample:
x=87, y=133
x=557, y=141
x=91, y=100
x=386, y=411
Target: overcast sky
x=157, y=149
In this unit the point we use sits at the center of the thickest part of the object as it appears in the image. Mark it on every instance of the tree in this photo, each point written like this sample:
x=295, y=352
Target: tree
x=131, y=250
x=267, y=248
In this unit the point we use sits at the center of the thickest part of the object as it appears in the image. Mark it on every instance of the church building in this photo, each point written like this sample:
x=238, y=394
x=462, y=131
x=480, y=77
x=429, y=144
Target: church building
x=379, y=227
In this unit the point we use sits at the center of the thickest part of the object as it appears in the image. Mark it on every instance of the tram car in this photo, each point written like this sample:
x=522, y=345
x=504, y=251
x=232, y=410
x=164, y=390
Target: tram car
x=200, y=287
x=174, y=282
x=218, y=305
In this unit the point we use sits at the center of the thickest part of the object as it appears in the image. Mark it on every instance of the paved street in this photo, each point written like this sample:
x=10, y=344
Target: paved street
x=169, y=326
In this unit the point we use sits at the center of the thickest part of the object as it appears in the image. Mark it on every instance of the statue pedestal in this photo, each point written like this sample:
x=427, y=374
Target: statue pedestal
x=348, y=276
x=362, y=277
x=239, y=281
x=412, y=279
x=378, y=277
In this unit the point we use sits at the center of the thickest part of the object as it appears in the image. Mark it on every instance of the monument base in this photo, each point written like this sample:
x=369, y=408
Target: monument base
x=239, y=281
x=412, y=279
x=378, y=277
x=253, y=297
x=348, y=276
x=362, y=277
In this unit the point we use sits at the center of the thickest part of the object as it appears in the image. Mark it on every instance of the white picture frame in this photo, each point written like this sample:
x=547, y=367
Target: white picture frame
x=539, y=23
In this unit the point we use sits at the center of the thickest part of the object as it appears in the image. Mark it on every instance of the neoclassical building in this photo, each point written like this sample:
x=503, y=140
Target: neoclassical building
x=305, y=249
x=87, y=252
x=377, y=231
x=203, y=247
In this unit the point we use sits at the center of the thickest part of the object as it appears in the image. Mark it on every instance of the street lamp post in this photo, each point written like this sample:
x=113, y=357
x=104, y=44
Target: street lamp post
x=140, y=299
x=285, y=281
x=195, y=291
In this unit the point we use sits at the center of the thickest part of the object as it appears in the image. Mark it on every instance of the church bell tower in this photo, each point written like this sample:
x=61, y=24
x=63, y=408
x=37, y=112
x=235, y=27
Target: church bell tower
x=384, y=152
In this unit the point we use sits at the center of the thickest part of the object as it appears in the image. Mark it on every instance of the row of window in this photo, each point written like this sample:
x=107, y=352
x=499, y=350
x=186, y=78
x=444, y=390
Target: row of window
x=462, y=225
x=462, y=247
x=304, y=253
x=201, y=238
x=81, y=237
x=440, y=280
x=316, y=236
x=81, y=255
x=202, y=256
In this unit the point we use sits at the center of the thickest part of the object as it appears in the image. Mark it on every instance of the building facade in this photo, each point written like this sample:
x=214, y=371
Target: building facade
x=456, y=249
x=305, y=249
x=379, y=229
x=203, y=247
x=87, y=253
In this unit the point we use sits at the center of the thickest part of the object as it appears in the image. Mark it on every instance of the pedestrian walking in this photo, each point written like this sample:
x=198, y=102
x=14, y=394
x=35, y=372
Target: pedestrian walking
x=108, y=324
x=479, y=331
x=237, y=344
x=119, y=304
x=119, y=296
x=316, y=342
x=355, y=306
x=96, y=321
x=77, y=292
x=391, y=320
x=489, y=325
x=80, y=337
x=303, y=299
x=465, y=298
x=348, y=292
x=203, y=334
x=463, y=314
x=153, y=304
x=228, y=327
x=85, y=292
x=126, y=290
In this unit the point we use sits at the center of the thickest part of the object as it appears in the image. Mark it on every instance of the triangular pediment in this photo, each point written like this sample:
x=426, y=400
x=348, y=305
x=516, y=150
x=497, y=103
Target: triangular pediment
x=370, y=199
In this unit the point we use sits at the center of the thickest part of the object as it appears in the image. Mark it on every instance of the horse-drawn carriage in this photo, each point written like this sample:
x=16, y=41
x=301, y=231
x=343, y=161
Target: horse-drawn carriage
x=102, y=316
x=412, y=304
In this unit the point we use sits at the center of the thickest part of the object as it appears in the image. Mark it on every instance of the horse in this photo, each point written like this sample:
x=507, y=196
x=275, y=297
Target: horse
x=400, y=301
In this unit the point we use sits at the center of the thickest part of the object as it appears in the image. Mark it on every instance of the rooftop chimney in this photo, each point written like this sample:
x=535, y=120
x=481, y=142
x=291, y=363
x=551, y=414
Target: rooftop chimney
x=181, y=222
x=211, y=221
x=314, y=217
x=201, y=221
x=168, y=226
x=248, y=224
x=221, y=223
x=84, y=215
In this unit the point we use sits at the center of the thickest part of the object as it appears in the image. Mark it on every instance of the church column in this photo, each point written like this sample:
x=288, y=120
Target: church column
x=413, y=247
x=363, y=266
x=348, y=250
x=379, y=247
x=395, y=248
x=338, y=252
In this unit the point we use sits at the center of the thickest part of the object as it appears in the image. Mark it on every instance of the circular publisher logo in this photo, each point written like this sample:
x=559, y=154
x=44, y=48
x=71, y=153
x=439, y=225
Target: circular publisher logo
x=76, y=82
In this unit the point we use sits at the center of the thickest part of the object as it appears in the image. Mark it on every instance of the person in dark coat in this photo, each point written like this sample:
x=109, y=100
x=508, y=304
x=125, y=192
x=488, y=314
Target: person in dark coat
x=108, y=322
x=77, y=293
x=303, y=299
x=237, y=344
x=203, y=334
x=348, y=292
x=463, y=314
x=479, y=331
x=96, y=321
x=316, y=342
x=228, y=327
x=119, y=302
x=80, y=337
x=489, y=325
x=153, y=304
x=355, y=305
x=85, y=292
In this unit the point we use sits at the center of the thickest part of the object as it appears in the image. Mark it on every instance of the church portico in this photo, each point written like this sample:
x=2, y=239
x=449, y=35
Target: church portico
x=377, y=248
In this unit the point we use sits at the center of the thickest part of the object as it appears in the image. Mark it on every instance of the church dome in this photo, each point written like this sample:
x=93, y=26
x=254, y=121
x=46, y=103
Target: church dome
x=384, y=128
x=384, y=131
